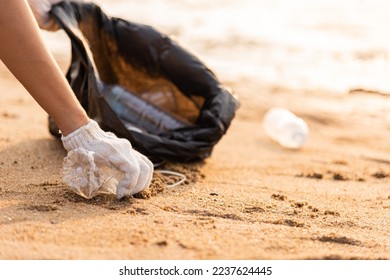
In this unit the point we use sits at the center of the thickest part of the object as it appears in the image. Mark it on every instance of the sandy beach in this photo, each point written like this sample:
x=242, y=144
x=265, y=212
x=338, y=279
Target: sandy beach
x=252, y=199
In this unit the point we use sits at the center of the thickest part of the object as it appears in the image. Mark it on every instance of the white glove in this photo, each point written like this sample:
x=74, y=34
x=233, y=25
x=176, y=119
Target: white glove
x=136, y=168
x=41, y=9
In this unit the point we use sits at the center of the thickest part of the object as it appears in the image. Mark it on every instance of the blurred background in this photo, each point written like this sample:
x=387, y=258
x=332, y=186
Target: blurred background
x=332, y=45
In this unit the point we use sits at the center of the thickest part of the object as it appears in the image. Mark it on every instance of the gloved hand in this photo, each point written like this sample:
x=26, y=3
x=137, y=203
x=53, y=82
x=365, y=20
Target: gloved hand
x=41, y=9
x=137, y=169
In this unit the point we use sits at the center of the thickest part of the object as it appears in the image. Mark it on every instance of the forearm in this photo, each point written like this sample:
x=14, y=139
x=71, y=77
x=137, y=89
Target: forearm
x=24, y=53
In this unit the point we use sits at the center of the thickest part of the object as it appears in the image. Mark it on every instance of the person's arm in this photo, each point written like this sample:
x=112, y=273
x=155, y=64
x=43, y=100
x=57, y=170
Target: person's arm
x=24, y=53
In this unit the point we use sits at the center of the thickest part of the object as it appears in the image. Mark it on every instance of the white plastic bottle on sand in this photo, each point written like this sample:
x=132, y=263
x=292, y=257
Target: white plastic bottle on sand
x=286, y=128
x=89, y=174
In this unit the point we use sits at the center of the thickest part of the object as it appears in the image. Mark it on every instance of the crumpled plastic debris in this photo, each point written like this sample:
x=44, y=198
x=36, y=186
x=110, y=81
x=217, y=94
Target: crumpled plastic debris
x=89, y=174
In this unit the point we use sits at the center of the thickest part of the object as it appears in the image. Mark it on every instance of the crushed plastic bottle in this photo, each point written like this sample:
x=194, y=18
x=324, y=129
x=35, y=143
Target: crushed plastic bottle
x=286, y=128
x=88, y=174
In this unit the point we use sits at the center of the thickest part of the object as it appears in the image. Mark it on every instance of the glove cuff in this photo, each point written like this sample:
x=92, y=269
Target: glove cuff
x=83, y=136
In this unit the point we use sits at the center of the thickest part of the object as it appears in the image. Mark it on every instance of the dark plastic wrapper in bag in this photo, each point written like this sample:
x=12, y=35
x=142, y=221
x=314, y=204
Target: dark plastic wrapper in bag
x=143, y=86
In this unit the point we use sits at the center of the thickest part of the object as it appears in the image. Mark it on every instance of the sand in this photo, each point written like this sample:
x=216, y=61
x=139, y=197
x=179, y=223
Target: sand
x=252, y=199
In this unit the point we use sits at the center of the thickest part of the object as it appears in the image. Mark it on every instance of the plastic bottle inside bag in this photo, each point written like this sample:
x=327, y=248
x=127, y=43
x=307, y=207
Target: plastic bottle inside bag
x=88, y=174
x=131, y=108
x=286, y=128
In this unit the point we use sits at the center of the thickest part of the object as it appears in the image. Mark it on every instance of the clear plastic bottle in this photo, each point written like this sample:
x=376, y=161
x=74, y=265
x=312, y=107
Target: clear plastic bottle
x=286, y=128
x=89, y=174
x=131, y=108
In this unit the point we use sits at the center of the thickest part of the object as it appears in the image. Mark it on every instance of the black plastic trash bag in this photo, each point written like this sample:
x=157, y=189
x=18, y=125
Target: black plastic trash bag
x=141, y=85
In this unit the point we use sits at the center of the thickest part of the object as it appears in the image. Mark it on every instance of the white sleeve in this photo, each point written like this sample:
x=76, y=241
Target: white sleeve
x=41, y=9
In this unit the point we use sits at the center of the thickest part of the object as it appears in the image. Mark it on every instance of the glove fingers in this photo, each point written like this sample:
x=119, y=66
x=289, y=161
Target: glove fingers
x=131, y=172
x=146, y=173
x=125, y=186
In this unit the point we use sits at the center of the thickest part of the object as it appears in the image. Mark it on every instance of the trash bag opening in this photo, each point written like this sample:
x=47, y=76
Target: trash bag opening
x=138, y=67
